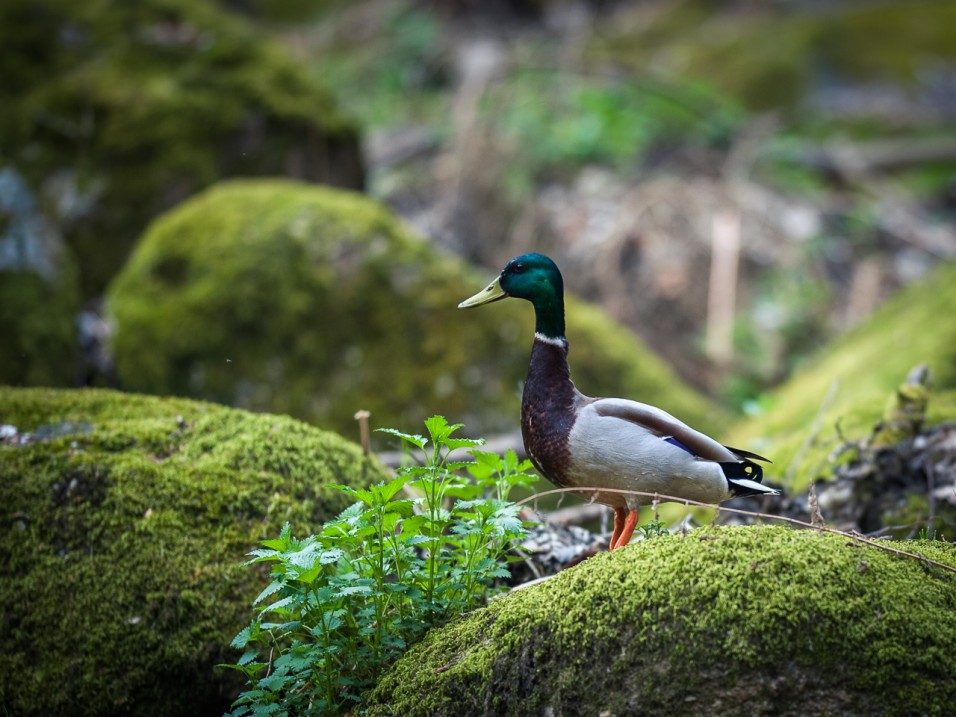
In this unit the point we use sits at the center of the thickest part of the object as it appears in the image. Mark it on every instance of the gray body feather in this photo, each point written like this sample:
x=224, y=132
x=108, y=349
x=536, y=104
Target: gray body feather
x=617, y=443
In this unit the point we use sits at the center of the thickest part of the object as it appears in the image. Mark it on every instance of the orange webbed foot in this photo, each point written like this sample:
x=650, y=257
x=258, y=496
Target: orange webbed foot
x=626, y=531
x=619, y=517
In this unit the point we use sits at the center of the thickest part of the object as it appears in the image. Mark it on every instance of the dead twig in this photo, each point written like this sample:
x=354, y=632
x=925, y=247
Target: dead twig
x=737, y=511
x=362, y=418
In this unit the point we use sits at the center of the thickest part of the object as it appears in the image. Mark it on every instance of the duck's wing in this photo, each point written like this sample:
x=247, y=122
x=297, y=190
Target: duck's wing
x=680, y=447
x=665, y=426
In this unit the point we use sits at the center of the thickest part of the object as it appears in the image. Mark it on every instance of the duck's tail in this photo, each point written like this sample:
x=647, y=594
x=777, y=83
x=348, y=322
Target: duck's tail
x=744, y=478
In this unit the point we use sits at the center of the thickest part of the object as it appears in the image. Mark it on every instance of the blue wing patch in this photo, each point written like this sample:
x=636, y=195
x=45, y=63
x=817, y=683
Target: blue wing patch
x=674, y=442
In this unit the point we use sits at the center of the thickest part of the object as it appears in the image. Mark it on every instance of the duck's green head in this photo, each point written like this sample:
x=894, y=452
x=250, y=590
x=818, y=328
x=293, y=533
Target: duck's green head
x=533, y=277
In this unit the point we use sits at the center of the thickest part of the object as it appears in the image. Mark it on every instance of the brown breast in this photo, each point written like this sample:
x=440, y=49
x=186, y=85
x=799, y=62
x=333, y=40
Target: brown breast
x=547, y=410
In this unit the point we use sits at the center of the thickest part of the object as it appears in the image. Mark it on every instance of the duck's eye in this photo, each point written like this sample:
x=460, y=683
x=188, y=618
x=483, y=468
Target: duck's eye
x=519, y=268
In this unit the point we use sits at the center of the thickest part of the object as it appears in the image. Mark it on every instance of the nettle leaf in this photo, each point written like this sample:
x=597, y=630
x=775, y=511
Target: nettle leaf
x=242, y=638
x=486, y=459
x=309, y=576
x=521, y=479
x=390, y=489
x=462, y=529
x=324, y=594
x=285, y=628
x=479, y=507
x=403, y=507
x=332, y=555
x=510, y=524
x=362, y=532
x=334, y=619
x=350, y=513
x=464, y=492
x=414, y=439
x=248, y=670
x=389, y=521
x=486, y=564
x=247, y=657
x=305, y=558
x=269, y=590
x=278, y=605
x=456, y=443
x=365, y=496
x=439, y=429
x=510, y=461
x=413, y=524
x=262, y=555
x=276, y=681
x=400, y=588
x=353, y=590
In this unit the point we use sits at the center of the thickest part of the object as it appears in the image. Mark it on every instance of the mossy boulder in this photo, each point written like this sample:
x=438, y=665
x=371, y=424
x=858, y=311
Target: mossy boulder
x=115, y=111
x=125, y=522
x=291, y=298
x=774, y=56
x=843, y=392
x=724, y=621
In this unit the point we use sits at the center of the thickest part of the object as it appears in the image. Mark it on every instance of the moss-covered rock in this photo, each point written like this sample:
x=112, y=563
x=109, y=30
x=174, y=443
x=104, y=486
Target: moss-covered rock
x=125, y=522
x=771, y=57
x=728, y=621
x=316, y=302
x=118, y=110
x=845, y=389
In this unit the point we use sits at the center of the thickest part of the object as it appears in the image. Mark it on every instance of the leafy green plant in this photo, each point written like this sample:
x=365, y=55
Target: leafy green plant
x=411, y=552
x=654, y=528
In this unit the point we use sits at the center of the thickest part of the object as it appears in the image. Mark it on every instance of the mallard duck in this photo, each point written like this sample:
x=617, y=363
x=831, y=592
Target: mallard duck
x=577, y=441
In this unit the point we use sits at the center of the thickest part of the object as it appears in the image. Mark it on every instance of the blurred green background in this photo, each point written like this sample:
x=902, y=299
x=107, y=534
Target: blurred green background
x=733, y=183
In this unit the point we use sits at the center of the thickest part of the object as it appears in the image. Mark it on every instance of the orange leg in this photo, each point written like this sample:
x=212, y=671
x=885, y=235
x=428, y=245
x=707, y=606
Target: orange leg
x=627, y=531
x=619, y=514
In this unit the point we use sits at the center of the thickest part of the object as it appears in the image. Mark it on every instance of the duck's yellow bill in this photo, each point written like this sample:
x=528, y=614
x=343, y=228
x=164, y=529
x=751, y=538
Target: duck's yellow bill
x=490, y=293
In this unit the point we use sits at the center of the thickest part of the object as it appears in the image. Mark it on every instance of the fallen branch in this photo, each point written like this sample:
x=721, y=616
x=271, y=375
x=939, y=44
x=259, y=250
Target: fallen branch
x=793, y=521
x=576, y=514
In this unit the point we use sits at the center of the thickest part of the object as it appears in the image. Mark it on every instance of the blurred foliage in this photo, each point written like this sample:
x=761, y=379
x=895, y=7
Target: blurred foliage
x=393, y=72
x=284, y=12
x=38, y=326
x=114, y=111
x=557, y=122
x=785, y=323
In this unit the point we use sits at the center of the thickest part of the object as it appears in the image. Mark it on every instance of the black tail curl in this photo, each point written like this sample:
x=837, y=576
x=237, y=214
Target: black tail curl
x=745, y=478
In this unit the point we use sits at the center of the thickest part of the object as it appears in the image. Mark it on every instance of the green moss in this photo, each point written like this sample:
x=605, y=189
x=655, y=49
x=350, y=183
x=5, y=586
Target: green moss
x=123, y=533
x=38, y=326
x=316, y=302
x=859, y=372
x=126, y=108
x=729, y=621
